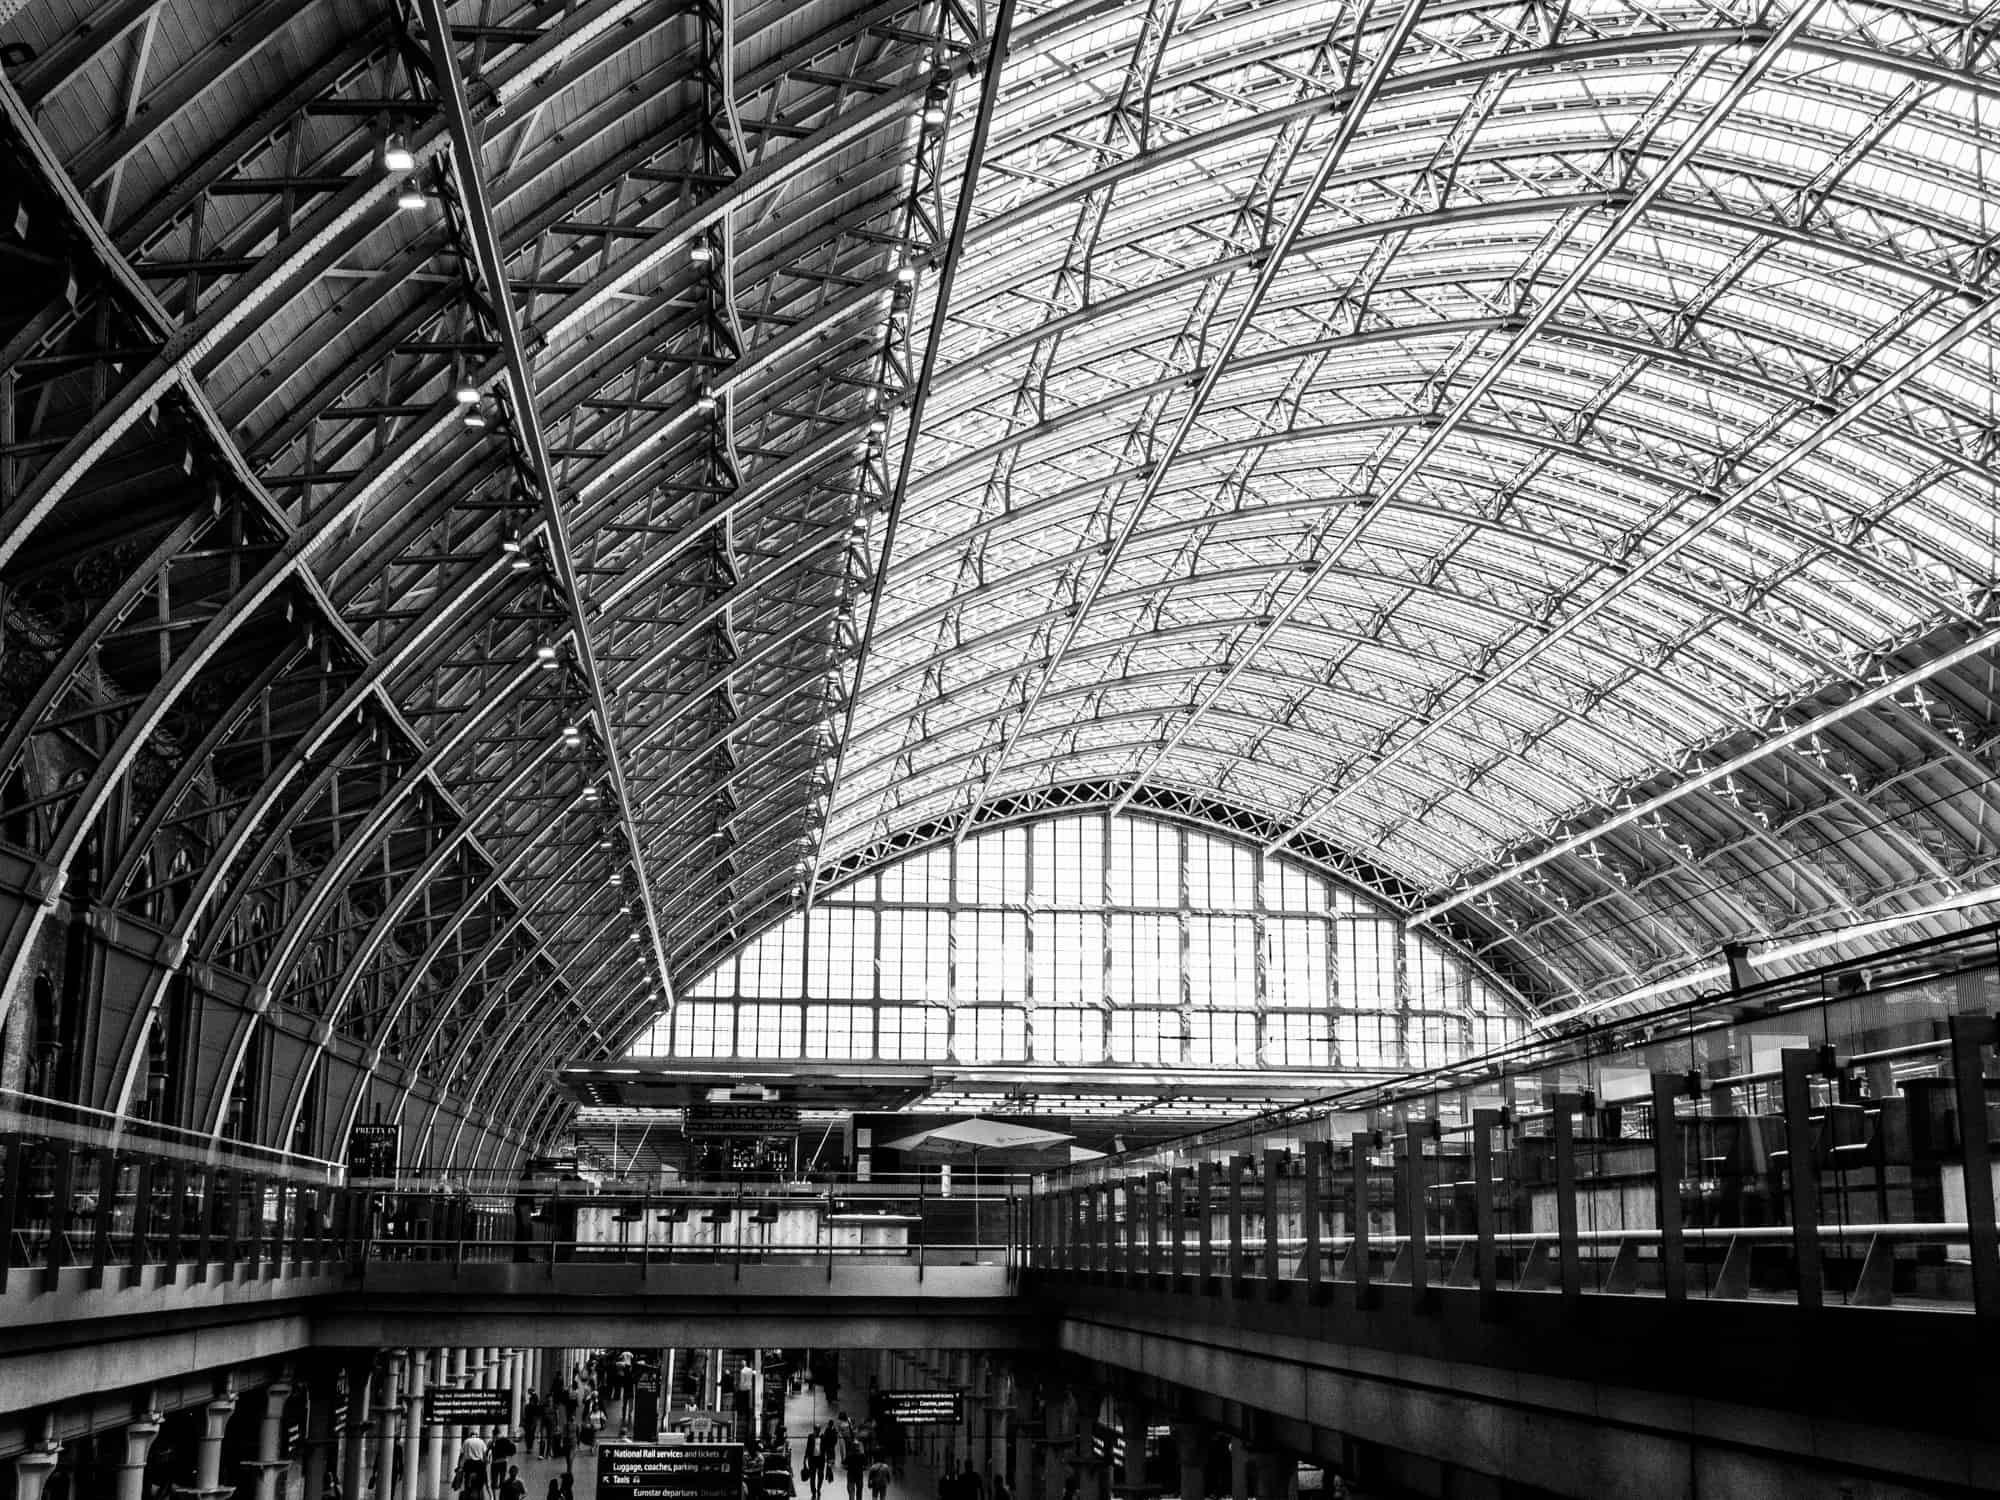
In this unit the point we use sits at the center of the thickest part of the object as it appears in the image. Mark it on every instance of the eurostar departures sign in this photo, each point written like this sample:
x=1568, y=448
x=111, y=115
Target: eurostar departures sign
x=925, y=1408
x=669, y=1471
x=469, y=1407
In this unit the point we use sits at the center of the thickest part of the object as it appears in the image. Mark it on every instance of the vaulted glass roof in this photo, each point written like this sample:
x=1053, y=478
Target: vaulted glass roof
x=1427, y=424
x=505, y=504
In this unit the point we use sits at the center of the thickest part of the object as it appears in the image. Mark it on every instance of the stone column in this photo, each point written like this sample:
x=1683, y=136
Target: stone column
x=1191, y=1449
x=1132, y=1427
x=434, y=1482
x=388, y=1410
x=1274, y=1476
x=513, y=1375
x=1239, y=1469
x=489, y=1381
x=1058, y=1438
x=139, y=1435
x=208, y=1483
x=319, y=1432
x=460, y=1378
x=271, y=1441
x=413, y=1427
x=1091, y=1474
x=32, y=1470
x=354, y=1441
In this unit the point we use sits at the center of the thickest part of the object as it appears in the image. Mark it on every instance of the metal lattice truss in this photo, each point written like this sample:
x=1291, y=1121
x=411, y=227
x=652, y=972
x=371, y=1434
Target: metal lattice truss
x=1537, y=457
x=499, y=501
x=438, y=473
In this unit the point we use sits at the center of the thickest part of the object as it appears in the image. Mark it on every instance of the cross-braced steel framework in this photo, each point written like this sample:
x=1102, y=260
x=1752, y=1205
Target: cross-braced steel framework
x=475, y=547
x=1536, y=458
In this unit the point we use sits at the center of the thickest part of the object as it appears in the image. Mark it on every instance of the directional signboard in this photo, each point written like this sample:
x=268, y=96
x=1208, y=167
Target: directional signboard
x=924, y=1408
x=455, y=1407
x=670, y=1471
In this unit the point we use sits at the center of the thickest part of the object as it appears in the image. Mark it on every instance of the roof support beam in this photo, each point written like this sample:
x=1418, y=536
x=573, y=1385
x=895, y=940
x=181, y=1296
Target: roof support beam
x=469, y=163
x=1210, y=377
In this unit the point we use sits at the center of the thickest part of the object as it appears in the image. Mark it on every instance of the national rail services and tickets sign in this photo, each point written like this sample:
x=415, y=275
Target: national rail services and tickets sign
x=455, y=1406
x=925, y=1408
x=669, y=1471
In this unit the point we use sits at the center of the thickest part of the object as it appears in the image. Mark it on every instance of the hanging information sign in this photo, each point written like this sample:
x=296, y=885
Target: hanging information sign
x=670, y=1471
x=924, y=1408
x=467, y=1408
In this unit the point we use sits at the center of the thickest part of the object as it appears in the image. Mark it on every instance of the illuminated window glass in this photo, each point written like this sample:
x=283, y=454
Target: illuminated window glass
x=1146, y=1036
x=1145, y=959
x=865, y=889
x=657, y=1040
x=1220, y=877
x=720, y=981
x=990, y=1033
x=1067, y=1034
x=991, y=957
x=770, y=1031
x=1289, y=888
x=1221, y=961
x=1365, y=963
x=1368, y=1040
x=1437, y=978
x=1432, y=1041
x=1069, y=863
x=840, y=963
x=1117, y=922
x=922, y=879
x=840, y=1031
x=1145, y=864
x=994, y=869
x=1293, y=1040
x=912, y=1031
x=916, y=949
x=1222, y=1039
x=1069, y=958
x=775, y=967
x=704, y=1029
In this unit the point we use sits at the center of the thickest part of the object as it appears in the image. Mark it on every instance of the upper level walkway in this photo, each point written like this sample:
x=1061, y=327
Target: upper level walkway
x=1779, y=1202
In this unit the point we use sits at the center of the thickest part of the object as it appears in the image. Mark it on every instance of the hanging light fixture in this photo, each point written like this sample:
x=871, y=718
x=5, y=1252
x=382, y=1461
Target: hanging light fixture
x=396, y=153
x=705, y=400
x=701, y=252
x=463, y=391
x=410, y=196
x=545, y=653
x=472, y=416
x=906, y=271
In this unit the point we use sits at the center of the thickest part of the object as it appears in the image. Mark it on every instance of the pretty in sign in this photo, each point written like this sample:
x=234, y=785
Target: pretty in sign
x=669, y=1471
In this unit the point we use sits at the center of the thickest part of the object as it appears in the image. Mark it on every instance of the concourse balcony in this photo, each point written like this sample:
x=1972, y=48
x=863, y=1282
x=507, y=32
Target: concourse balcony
x=1762, y=1222
x=138, y=1257
x=1827, y=1141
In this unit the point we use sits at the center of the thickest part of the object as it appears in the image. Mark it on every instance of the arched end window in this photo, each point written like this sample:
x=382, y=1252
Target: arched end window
x=1096, y=940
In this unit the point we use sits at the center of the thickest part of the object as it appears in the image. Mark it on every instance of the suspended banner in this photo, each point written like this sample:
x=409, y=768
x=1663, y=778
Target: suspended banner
x=675, y=1471
x=924, y=1408
x=468, y=1408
